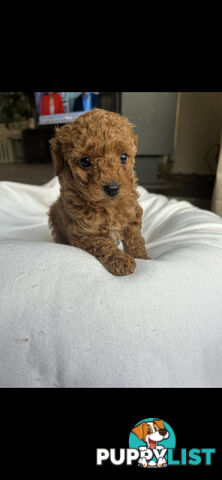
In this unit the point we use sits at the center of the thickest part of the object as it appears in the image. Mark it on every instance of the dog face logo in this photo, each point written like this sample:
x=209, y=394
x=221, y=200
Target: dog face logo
x=152, y=434
x=99, y=148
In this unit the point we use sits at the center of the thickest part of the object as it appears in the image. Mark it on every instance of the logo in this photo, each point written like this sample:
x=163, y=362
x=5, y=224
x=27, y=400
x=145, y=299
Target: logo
x=152, y=438
x=152, y=443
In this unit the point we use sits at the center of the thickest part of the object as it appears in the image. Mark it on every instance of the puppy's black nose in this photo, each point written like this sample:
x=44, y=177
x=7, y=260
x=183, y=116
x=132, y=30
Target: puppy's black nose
x=111, y=189
x=163, y=432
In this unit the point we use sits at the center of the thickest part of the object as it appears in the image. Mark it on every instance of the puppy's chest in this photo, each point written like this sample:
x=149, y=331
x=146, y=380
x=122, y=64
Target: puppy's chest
x=106, y=223
x=115, y=233
x=115, y=225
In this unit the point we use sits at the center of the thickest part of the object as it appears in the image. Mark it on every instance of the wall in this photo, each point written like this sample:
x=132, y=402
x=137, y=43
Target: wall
x=198, y=128
x=153, y=114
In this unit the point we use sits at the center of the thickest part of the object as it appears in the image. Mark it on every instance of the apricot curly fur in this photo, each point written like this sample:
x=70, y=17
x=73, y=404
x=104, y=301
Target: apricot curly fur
x=84, y=215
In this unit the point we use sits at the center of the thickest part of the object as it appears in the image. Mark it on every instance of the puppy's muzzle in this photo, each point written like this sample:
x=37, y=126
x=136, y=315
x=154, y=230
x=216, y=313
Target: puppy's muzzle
x=111, y=189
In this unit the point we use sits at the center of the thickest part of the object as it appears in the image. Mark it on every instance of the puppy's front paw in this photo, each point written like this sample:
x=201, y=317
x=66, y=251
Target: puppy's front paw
x=142, y=255
x=139, y=251
x=123, y=264
x=136, y=250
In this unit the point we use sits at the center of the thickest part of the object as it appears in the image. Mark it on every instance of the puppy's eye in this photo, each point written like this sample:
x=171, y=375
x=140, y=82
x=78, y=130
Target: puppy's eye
x=85, y=162
x=124, y=157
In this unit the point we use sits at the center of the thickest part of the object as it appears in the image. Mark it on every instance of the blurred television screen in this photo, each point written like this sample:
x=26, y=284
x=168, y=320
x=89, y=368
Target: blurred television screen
x=63, y=107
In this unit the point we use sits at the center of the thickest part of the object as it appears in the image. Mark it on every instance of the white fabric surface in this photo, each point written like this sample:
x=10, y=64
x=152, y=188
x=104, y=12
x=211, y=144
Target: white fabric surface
x=66, y=322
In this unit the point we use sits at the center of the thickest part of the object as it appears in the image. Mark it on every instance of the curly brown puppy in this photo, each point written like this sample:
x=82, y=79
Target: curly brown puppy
x=94, y=158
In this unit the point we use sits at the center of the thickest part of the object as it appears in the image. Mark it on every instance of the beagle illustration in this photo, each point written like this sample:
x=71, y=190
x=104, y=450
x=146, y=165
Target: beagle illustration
x=151, y=433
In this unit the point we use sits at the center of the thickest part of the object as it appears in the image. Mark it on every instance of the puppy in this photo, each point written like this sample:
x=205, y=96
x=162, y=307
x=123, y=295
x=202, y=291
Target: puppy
x=151, y=433
x=97, y=208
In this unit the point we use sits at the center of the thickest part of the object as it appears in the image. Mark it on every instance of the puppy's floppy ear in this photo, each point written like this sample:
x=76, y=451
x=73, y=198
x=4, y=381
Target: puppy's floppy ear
x=56, y=153
x=139, y=430
x=159, y=424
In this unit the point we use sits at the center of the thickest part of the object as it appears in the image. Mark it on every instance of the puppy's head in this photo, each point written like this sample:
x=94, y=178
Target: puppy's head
x=151, y=432
x=96, y=154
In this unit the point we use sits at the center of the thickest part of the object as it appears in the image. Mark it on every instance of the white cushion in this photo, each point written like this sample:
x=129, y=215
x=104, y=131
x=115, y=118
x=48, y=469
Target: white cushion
x=67, y=322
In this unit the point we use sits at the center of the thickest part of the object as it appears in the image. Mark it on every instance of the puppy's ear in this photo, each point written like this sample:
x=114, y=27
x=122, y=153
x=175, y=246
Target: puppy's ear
x=159, y=424
x=139, y=430
x=56, y=153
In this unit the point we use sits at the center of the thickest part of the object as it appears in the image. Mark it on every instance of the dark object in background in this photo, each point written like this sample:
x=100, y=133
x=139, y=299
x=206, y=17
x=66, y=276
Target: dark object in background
x=109, y=101
x=36, y=145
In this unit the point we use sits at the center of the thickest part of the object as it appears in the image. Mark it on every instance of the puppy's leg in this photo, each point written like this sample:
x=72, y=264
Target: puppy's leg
x=133, y=242
x=106, y=251
x=56, y=225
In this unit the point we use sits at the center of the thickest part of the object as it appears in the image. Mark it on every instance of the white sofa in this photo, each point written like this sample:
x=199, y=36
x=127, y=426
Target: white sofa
x=66, y=322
